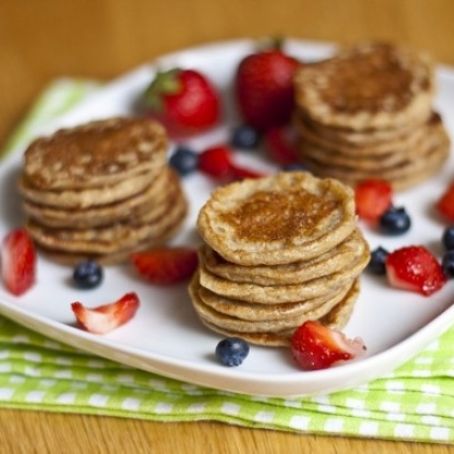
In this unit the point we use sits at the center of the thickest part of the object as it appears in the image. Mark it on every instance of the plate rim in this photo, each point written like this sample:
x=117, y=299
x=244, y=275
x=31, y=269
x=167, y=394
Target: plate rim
x=296, y=379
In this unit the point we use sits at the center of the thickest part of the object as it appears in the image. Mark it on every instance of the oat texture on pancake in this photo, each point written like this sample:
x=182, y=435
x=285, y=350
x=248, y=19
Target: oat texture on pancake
x=277, y=251
x=367, y=112
x=101, y=190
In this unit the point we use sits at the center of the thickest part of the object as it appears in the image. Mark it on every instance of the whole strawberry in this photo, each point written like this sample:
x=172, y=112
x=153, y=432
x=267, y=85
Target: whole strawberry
x=264, y=88
x=184, y=100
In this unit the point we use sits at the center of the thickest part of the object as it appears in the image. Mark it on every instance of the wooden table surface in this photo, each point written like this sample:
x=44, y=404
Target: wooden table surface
x=40, y=40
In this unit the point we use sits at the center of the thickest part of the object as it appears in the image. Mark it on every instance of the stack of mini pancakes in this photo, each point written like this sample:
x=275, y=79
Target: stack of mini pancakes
x=278, y=251
x=367, y=113
x=101, y=191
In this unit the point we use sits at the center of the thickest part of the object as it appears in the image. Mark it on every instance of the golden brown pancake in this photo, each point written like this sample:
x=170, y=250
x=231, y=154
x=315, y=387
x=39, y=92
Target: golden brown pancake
x=277, y=220
x=340, y=257
x=372, y=85
x=96, y=154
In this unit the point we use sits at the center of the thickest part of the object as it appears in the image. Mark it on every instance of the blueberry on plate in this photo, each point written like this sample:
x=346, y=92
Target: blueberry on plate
x=377, y=261
x=245, y=137
x=232, y=351
x=87, y=275
x=448, y=264
x=395, y=221
x=448, y=238
x=184, y=160
x=294, y=167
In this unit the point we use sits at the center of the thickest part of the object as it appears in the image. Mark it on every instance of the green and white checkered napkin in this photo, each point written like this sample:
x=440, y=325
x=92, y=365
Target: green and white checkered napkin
x=415, y=402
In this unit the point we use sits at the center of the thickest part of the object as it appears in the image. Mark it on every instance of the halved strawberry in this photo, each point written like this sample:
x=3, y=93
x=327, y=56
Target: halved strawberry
x=103, y=319
x=314, y=346
x=18, y=263
x=166, y=265
x=373, y=197
x=280, y=146
x=445, y=205
x=414, y=268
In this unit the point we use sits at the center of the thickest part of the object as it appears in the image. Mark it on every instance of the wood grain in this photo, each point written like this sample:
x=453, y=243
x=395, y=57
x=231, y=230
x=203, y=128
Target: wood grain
x=25, y=432
x=43, y=40
x=101, y=39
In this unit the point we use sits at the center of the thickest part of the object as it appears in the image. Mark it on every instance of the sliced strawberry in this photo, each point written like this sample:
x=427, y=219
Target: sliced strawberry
x=239, y=173
x=164, y=266
x=216, y=161
x=103, y=319
x=445, y=205
x=315, y=346
x=18, y=261
x=373, y=197
x=414, y=268
x=280, y=146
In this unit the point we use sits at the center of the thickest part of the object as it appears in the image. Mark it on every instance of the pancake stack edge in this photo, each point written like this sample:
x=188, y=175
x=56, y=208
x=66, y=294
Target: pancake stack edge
x=101, y=191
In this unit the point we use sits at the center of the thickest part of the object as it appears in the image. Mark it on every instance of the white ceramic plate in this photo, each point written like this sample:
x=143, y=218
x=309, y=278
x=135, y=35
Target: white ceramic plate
x=165, y=336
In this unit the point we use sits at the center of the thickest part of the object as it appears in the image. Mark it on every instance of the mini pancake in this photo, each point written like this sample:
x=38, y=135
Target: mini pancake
x=111, y=239
x=338, y=258
x=258, y=316
x=417, y=154
x=270, y=326
x=360, y=138
x=153, y=196
x=120, y=256
x=277, y=220
x=282, y=293
x=96, y=154
x=336, y=319
x=401, y=177
x=373, y=85
x=384, y=153
x=86, y=198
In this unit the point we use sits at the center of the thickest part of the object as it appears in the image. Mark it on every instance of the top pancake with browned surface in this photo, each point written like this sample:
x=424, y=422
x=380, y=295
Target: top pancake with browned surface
x=96, y=154
x=368, y=86
x=277, y=220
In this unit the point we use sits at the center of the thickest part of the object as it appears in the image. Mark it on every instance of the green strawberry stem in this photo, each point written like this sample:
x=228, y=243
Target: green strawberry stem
x=271, y=43
x=164, y=83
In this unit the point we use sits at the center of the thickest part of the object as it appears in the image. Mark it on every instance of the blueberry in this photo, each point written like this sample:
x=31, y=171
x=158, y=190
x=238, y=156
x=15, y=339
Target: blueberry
x=87, y=275
x=448, y=264
x=448, y=238
x=232, y=351
x=184, y=160
x=245, y=137
x=294, y=167
x=395, y=221
x=377, y=261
